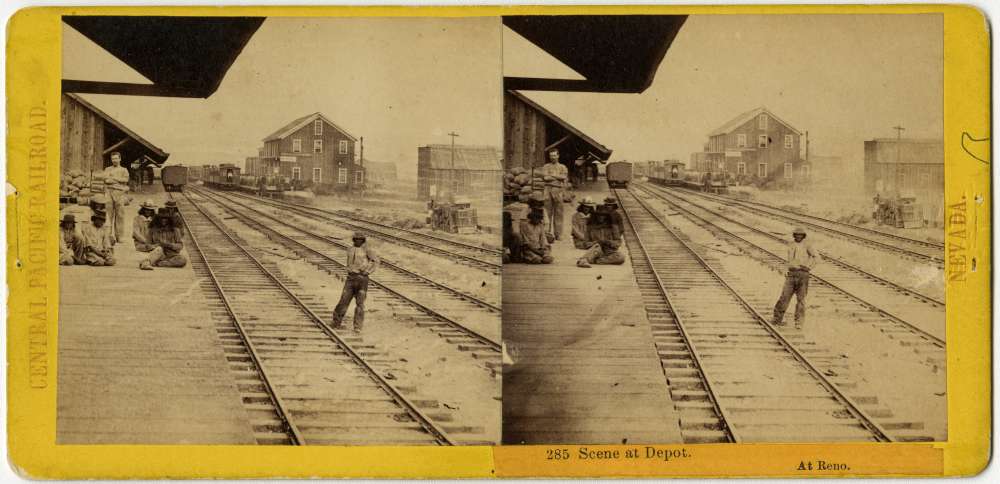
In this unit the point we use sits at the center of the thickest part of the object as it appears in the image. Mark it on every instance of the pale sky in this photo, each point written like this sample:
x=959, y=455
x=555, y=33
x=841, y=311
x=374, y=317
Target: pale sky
x=400, y=83
x=844, y=78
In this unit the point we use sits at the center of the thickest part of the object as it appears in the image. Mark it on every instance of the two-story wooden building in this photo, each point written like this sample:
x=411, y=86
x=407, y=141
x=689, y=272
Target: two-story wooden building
x=315, y=151
x=756, y=145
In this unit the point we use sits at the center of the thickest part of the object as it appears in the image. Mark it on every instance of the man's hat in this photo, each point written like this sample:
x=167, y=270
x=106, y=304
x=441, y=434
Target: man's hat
x=799, y=231
x=68, y=219
x=171, y=204
x=148, y=204
x=588, y=201
x=358, y=235
x=610, y=200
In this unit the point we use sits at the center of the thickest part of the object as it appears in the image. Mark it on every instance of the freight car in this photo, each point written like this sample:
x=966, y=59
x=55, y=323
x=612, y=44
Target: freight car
x=717, y=182
x=619, y=174
x=223, y=177
x=272, y=186
x=174, y=177
x=194, y=173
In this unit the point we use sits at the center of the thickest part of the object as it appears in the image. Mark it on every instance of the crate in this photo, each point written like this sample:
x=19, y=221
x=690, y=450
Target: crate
x=466, y=218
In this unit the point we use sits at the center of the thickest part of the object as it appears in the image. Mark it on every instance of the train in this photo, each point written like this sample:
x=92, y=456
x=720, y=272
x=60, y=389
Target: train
x=672, y=173
x=273, y=186
x=618, y=174
x=174, y=177
x=223, y=177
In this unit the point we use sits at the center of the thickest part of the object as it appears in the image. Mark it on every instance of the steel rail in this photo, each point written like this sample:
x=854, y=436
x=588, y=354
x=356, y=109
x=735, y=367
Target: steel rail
x=439, y=434
x=328, y=240
x=332, y=215
x=279, y=403
x=763, y=207
x=493, y=345
x=859, y=414
x=910, y=326
x=723, y=414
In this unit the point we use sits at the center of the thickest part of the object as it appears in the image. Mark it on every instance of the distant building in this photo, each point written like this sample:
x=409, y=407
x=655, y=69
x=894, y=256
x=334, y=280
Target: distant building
x=380, y=172
x=254, y=165
x=756, y=144
x=699, y=161
x=912, y=165
x=315, y=151
x=467, y=170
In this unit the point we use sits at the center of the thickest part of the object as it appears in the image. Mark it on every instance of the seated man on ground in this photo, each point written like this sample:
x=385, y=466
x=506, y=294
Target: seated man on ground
x=579, y=223
x=606, y=242
x=535, y=247
x=166, y=241
x=98, y=242
x=140, y=227
x=71, y=244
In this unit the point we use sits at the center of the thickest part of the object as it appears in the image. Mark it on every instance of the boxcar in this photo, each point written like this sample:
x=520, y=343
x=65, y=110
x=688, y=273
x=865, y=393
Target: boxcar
x=619, y=174
x=223, y=177
x=174, y=177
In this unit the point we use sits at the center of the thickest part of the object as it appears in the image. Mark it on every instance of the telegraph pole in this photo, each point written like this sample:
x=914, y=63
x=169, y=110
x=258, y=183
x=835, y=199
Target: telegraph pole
x=899, y=138
x=451, y=174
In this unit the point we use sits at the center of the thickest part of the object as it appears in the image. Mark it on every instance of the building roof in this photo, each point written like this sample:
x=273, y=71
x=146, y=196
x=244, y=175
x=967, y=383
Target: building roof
x=467, y=157
x=297, y=124
x=614, y=53
x=909, y=140
x=598, y=150
x=747, y=116
x=149, y=149
x=182, y=56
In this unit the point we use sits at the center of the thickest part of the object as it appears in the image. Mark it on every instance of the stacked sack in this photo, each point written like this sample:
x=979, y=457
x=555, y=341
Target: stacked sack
x=77, y=185
x=520, y=181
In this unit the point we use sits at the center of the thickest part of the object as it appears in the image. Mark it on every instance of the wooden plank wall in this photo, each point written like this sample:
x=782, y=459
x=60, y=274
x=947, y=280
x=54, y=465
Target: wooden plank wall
x=82, y=138
x=524, y=134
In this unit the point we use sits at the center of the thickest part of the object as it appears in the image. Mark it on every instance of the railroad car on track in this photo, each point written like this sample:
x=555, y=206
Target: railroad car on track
x=715, y=182
x=271, y=186
x=223, y=177
x=667, y=173
x=174, y=177
x=619, y=174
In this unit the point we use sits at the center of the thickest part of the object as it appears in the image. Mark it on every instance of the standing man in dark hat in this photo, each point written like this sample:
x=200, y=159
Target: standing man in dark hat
x=361, y=263
x=802, y=258
x=71, y=245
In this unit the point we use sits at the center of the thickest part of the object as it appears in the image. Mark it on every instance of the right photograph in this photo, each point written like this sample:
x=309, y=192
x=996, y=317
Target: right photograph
x=723, y=228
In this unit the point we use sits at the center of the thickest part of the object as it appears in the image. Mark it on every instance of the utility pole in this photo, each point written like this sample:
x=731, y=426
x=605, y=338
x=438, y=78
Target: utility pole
x=899, y=138
x=451, y=174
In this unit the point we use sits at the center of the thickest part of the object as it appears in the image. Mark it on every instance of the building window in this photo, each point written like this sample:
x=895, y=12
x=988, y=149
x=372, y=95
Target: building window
x=318, y=127
x=296, y=173
x=788, y=170
x=343, y=146
x=741, y=141
x=788, y=141
x=804, y=170
x=359, y=177
x=762, y=121
x=317, y=175
x=741, y=168
x=317, y=146
x=296, y=145
x=762, y=141
x=342, y=175
x=762, y=170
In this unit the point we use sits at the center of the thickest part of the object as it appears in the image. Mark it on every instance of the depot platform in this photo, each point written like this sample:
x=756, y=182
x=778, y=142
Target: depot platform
x=583, y=368
x=142, y=366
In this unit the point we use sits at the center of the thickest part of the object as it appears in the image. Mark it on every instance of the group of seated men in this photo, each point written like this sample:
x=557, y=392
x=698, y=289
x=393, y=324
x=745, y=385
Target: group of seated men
x=154, y=232
x=596, y=229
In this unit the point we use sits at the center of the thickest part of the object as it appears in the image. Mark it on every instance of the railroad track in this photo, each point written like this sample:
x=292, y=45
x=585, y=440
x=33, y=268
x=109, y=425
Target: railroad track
x=442, y=309
x=302, y=379
x=893, y=312
x=733, y=376
x=463, y=253
x=918, y=250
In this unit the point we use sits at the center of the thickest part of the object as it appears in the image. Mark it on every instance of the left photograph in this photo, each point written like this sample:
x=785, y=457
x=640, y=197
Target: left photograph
x=280, y=231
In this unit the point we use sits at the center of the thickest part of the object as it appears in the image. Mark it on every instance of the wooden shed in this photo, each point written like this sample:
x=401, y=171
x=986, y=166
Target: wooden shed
x=445, y=170
x=89, y=135
x=531, y=130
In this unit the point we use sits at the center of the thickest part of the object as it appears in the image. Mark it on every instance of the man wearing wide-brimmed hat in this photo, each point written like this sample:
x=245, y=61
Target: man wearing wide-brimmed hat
x=71, y=245
x=361, y=263
x=98, y=242
x=578, y=224
x=140, y=227
x=175, y=215
x=535, y=248
x=166, y=241
x=802, y=258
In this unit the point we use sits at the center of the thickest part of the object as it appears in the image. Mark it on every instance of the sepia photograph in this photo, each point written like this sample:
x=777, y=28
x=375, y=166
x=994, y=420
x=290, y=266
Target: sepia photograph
x=280, y=231
x=723, y=228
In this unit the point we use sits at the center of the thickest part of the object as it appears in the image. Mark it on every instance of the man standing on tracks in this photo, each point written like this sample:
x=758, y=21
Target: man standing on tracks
x=361, y=263
x=802, y=258
x=116, y=179
x=556, y=182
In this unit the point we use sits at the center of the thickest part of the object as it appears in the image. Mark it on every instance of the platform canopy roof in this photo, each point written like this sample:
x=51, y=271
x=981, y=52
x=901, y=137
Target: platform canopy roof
x=182, y=56
x=118, y=137
x=614, y=53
